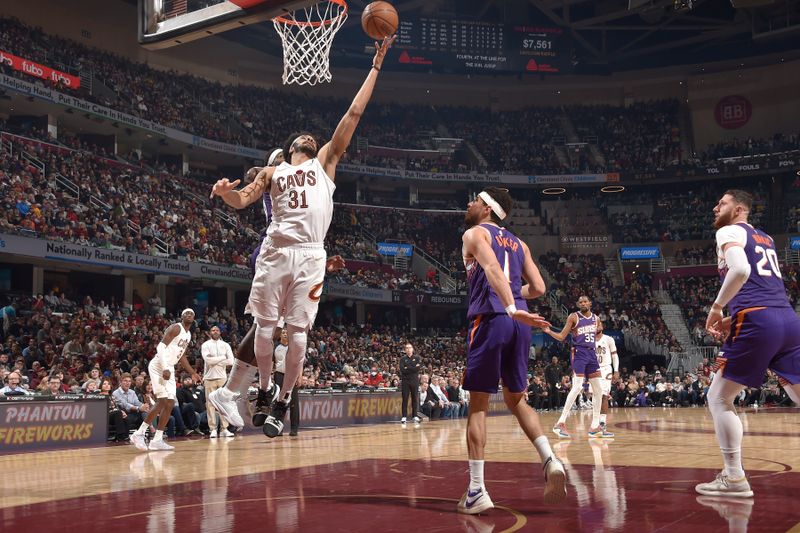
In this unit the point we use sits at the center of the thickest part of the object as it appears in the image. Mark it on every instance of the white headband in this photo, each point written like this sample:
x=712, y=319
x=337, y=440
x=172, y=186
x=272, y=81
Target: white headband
x=499, y=211
x=187, y=310
x=275, y=153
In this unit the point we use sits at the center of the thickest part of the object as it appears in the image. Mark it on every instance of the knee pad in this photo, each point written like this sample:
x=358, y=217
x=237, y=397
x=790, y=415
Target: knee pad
x=265, y=329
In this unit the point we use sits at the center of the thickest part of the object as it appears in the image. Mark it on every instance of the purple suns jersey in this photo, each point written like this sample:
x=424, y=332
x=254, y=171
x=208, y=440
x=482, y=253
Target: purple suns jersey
x=267, y=200
x=764, y=287
x=584, y=332
x=511, y=256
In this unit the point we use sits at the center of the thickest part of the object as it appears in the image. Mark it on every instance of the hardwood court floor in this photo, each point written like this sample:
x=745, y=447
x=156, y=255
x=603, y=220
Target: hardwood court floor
x=394, y=478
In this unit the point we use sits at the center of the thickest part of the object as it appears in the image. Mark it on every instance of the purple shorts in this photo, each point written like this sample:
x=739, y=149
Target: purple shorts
x=761, y=338
x=584, y=362
x=497, y=347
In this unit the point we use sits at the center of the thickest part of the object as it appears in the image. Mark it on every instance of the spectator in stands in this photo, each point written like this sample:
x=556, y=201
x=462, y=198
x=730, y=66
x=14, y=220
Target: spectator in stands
x=116, y=416
x=429, y=402
x=192, y=404
x=126, y=399
x=12, y=387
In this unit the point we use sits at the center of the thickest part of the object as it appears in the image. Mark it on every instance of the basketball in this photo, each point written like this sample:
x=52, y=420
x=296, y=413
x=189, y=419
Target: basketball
x=379, y=20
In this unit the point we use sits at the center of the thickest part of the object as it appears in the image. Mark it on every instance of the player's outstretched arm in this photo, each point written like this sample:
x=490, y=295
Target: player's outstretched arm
x=225, y=189
x=562, y=335
x=476, y=244
x=330, y=154
x=531, y=274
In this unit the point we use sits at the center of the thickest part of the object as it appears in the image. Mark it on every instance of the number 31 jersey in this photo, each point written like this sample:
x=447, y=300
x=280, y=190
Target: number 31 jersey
x=302, y=204
x=764, y=287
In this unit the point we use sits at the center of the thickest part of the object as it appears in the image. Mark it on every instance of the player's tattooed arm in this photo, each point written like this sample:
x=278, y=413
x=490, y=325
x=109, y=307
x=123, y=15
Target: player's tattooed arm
x=240, y=199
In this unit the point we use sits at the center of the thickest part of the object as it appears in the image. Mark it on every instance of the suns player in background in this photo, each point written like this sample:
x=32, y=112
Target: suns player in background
x=290, y=267
x=607, y=358
x=499, y=340
x=762, y=332
x=170, y=351
x=583, y=328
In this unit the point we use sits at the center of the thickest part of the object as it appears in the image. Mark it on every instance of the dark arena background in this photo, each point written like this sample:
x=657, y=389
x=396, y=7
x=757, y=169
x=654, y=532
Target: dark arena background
x=616, y=126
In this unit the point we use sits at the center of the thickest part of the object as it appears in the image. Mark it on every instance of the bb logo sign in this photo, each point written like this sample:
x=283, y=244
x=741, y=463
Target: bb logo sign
x=733, y=112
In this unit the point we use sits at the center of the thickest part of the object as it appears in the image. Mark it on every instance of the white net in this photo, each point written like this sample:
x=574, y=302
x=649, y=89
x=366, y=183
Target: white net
x=307, y=35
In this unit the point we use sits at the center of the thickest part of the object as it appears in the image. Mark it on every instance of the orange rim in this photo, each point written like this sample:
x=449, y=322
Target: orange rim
x=283, y=20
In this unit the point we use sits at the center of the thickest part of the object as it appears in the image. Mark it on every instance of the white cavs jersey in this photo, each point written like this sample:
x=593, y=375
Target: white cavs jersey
x=170, y=357
x=302, y=203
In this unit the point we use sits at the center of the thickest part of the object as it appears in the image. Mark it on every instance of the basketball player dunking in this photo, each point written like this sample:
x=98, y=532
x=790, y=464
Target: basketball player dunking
x=243, y=371
x=583, y=328
x=499, y=340
x=761, y=332
x=171, y=350
x=607, y=358
x=290, y=267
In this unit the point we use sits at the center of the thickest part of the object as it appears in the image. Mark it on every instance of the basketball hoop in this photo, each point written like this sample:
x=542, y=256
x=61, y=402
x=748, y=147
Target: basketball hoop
x=307, y=35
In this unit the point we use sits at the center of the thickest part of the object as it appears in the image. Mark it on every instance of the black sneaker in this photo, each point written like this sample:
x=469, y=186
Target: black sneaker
x=263, y=402
x=274, y=424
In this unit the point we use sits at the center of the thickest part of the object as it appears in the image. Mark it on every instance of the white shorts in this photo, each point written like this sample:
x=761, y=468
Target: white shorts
x=162, y=388
x=606, y=375
x=288, y=283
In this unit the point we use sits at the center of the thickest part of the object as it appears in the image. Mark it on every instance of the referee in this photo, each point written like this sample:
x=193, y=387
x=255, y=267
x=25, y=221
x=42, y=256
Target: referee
x=409, y=381
x=280, y=370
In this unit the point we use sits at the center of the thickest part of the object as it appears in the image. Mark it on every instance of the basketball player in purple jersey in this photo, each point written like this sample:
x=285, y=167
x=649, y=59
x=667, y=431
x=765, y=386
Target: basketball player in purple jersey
x=499, y=340
x=761, y=332
x=243, y=371
x=583, y=328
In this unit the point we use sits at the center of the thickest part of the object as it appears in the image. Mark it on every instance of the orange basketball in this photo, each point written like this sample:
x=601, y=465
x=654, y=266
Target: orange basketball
x=380, y=20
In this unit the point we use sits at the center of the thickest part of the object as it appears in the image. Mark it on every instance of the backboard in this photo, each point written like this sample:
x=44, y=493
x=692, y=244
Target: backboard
x=166, y=23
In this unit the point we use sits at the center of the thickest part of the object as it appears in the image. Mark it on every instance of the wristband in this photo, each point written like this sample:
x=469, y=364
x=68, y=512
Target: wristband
x=511, y=309
x=376, y=68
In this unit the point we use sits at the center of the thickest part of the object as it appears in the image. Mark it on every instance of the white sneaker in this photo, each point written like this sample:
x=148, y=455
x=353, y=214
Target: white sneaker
x=226, y=433
x=475, y=501
x=555, y=489
x=224, y=401
x=213, y=434
x=139, y=441
x=725, y=486
x=417, y=420
x=160, y=445
x=403, y=420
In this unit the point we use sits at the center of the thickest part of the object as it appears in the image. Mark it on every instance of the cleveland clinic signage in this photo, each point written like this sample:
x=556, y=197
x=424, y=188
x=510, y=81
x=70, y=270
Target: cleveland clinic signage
x=89, y=255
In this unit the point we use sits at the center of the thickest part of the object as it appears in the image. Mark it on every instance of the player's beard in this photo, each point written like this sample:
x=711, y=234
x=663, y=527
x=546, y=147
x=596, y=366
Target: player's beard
x=305, y=149
x=724, y=219
x=471, y=218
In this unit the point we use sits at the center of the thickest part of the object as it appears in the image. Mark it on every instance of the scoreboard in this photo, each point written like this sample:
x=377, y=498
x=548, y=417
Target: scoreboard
x=480, y=47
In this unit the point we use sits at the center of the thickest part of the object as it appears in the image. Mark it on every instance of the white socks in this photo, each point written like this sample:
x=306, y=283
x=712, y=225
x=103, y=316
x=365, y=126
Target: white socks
x=142, y=429
x=574, y=392
x=242, y=375
x=597, y=401
x=543, y=447
x=159, y=435
x=602, y=418
x=727, y=425
x=475, y=473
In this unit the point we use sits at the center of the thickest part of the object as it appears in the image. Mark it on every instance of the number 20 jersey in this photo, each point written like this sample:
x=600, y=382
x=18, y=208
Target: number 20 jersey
x=302, y=204
x=764, y=287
